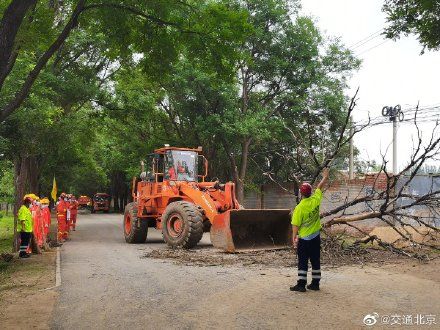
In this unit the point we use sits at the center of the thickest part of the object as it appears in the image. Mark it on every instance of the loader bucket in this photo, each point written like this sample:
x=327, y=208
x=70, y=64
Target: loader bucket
x=237, y=230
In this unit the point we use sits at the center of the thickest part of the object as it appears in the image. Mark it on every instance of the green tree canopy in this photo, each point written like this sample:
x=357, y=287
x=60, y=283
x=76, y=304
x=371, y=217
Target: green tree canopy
x=253, y=82
x=287, y=74
x=419, y=17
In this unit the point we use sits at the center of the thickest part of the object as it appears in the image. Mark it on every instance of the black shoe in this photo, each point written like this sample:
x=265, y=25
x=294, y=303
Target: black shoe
x=313, y=286
x=298, y=288
x=27, y=255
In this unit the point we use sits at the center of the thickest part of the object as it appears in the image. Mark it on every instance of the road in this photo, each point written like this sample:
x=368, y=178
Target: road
x=107, y=284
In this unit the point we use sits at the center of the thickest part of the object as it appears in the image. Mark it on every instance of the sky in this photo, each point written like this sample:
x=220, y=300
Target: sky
x=392, y=72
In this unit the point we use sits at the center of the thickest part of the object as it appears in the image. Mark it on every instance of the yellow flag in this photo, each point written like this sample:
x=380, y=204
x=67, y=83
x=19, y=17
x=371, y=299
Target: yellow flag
x=54, y=190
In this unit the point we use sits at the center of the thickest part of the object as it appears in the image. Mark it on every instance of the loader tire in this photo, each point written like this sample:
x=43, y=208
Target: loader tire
x=182, y=225
x=135, y=230
x=206, y=222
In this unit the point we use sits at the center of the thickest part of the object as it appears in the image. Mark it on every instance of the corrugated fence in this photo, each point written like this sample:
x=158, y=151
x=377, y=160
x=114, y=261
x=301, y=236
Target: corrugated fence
x=272, y=196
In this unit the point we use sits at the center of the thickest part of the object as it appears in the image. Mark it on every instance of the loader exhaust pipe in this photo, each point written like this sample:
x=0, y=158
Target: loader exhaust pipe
x=237, y=230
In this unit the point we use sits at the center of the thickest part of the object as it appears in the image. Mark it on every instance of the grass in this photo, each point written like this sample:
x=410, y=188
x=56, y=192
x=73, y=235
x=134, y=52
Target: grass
x=6, y=231
x=9, y=269
x=18, y=275
x=6, y=239
x=23, y=273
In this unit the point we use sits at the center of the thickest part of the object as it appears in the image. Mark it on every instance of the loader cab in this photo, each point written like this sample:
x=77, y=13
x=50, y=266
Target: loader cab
x=176, y=164
x=180, y=165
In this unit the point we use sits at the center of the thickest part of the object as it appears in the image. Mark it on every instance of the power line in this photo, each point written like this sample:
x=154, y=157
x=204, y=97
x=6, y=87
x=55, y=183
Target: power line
x=428, y=116
x=366, y=39
x=423, y=110
x=371, y=48
x=423, y=116
x=411, y=109
x=364, y=43
x=429, y=119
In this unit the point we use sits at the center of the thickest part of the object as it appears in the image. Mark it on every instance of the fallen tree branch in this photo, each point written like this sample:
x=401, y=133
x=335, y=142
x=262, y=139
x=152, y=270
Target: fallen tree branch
x=352, y=218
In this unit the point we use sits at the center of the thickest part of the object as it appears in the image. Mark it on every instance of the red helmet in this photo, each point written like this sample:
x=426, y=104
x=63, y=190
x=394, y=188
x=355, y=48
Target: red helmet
x=306, y=189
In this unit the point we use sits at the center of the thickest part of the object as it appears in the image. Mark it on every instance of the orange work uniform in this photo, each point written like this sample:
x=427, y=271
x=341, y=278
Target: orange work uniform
x=62, y=220
x=73, y=213
x=46, y=220
x=37, y=224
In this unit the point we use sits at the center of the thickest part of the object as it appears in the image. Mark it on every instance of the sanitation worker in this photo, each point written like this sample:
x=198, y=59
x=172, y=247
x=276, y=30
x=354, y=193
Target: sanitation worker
x=37, y=218
x=61, y=217
x=45, y=211
x=306, y=226
x=24, y=226
x=41, y=238
x=68, y=212
x=73, y=212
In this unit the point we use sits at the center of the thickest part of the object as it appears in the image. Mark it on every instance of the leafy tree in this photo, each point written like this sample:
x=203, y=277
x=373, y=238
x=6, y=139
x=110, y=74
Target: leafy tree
x=157, y=30
x=287, y=75
x=237, y=77
x=6, y=181
x=103, y=37
x=362, y=166
x=131, y=127
x=419, y=17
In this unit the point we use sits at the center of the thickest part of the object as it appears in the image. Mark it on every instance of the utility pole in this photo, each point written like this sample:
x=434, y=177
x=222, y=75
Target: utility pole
x=350, y=164
x=394, y=114
x=394, y=146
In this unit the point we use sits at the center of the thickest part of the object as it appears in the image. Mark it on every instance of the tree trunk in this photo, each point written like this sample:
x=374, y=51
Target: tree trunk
x=34, y=175
x=21, y=176
x=9, y=26
x=239, y=188
x=119, y=190
x=240, y=175
x=116, y=203
x=25, y=89
x=243, y=169
x=34, y=245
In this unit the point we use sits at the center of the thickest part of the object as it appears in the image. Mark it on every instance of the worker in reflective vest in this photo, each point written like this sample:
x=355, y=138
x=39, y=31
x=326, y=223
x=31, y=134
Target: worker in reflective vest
x=24, y=226
x=306, y=225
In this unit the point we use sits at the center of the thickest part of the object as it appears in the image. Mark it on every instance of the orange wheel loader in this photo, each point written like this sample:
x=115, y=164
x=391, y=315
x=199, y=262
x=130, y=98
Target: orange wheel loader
x=174, y=198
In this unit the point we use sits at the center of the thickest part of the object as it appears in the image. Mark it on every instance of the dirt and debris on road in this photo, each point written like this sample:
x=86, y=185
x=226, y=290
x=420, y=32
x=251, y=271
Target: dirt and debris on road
x=108, y=284
x=333, y=255
x=24, y=282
